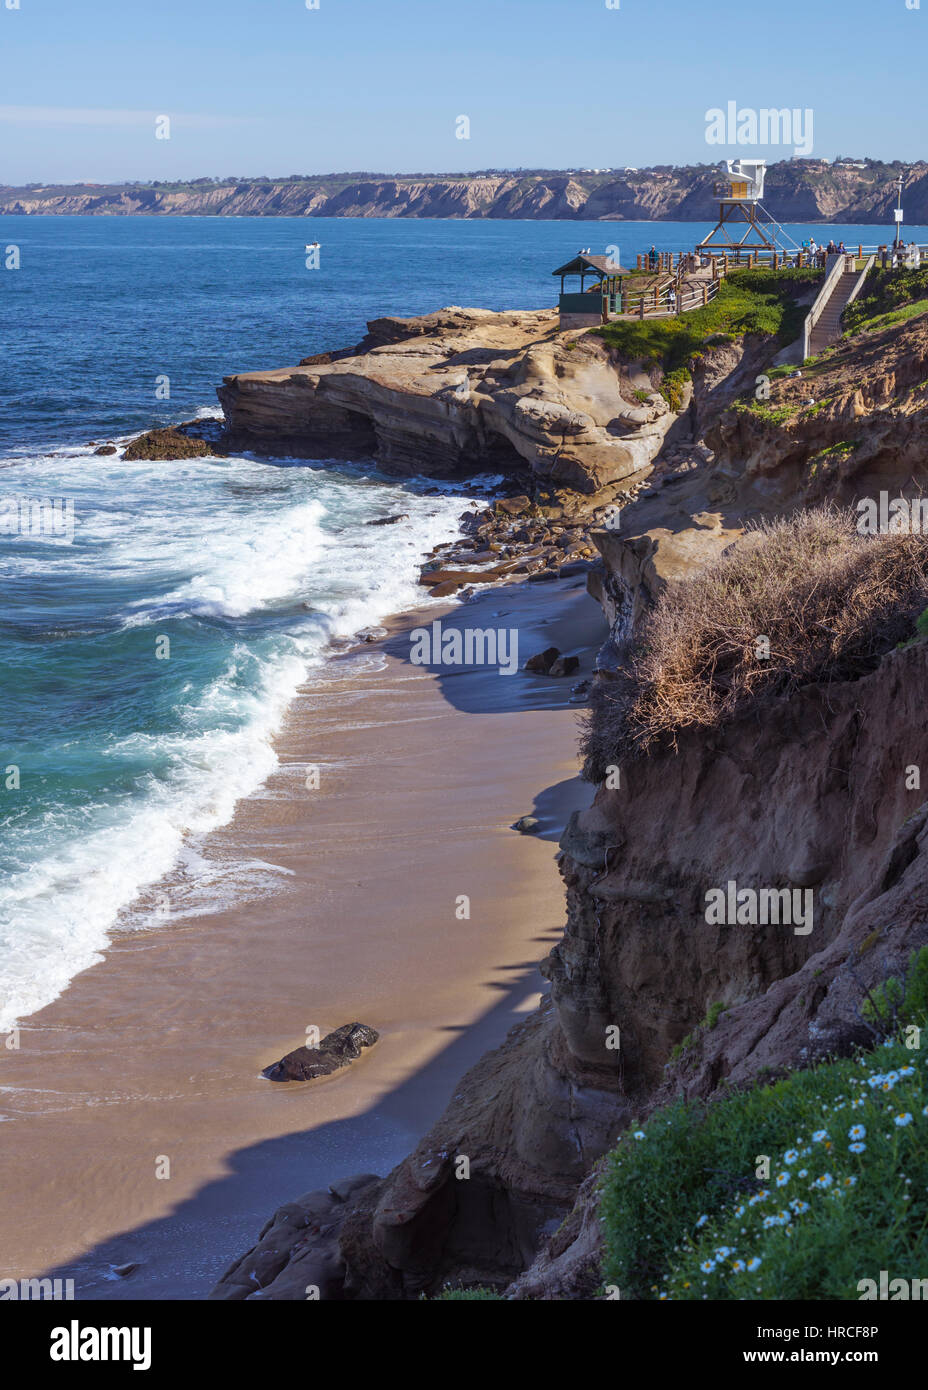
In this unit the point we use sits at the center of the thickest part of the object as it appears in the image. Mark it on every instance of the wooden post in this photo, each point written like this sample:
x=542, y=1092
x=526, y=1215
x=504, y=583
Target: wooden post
x=641, y=307
x=705, y=295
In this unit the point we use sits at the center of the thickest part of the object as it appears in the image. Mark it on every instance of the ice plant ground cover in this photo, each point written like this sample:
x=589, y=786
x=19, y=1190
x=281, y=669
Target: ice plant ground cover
x=685, y=1217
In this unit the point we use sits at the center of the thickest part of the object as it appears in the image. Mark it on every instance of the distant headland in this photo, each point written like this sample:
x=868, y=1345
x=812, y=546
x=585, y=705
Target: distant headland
x=844, y=190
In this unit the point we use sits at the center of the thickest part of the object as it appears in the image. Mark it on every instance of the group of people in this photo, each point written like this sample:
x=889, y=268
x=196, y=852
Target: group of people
x=817, y=255
x=900, y=255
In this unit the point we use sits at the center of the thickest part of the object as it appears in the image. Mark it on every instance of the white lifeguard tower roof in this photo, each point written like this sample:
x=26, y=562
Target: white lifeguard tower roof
x=752, y=171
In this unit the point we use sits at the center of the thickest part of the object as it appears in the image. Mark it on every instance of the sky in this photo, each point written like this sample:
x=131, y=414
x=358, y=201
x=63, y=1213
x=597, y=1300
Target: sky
x=280, y=87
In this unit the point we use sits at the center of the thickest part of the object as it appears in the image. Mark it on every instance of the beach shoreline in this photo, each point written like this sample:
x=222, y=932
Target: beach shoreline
x=140, y=1131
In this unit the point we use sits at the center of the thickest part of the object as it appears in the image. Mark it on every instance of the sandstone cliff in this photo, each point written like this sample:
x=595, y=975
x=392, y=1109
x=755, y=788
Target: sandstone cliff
x=810, y=791
x=815, y=793
x=457, y=392
x=800, y=190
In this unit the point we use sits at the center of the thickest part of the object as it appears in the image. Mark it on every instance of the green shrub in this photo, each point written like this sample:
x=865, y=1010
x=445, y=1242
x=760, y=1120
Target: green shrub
x=897, y=1002
x=748, y=301
x=685, y=1217
x=672, y=387
x=884, y=292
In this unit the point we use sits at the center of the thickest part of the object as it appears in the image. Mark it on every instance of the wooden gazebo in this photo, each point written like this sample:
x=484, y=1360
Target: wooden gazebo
x=589, y=305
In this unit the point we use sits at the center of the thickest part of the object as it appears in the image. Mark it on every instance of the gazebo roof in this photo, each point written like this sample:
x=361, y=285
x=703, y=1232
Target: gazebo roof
x=602, y=265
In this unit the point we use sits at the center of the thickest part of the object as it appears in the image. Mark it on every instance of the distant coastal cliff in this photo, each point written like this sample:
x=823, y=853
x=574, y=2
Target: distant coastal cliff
x=800, y=190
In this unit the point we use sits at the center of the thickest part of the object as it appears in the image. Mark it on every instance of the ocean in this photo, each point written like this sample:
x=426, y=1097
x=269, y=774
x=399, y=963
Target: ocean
x=158, y=617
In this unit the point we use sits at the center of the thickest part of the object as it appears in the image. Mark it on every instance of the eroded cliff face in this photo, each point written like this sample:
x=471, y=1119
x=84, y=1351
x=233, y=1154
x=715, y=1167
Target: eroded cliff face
x=852, y=424
x=457, y=392
x=848, y=426
x=809, y=794
x=815, y=794
x=798, y=190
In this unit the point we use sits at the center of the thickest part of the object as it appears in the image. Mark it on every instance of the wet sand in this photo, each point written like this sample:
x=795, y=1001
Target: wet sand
x=149, y=1064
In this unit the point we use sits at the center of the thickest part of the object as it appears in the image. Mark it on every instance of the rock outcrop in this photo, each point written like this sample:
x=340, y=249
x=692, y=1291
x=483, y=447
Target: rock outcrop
x=166, y=444
x=817, y=792
x=457, y=392
x=851, y=424
x=847, y=426
x=297, y=1253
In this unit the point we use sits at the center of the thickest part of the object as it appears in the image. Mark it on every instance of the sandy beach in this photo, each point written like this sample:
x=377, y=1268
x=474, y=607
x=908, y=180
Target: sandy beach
x=137, y=1128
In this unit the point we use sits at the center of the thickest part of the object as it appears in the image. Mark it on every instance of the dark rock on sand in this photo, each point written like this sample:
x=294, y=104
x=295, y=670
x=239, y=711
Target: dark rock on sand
x=541, y=663
x=527, y=825
x=371, y=634
x=388, y=520
x=564, y=666
x=336, y=1050
x=105, y=449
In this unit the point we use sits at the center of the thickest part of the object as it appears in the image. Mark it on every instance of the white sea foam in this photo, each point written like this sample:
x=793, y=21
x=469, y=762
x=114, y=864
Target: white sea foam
x=235, y=541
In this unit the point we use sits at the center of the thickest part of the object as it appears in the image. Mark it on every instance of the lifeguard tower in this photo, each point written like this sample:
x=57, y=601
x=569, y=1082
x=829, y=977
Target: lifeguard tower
x=739, y=193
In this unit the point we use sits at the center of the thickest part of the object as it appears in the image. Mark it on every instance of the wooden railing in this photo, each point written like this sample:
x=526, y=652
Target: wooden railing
x=658, y=302
x=670, y=261
x=673, y=296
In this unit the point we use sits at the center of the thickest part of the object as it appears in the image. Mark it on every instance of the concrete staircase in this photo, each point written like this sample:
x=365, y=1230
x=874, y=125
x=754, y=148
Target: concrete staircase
x=827, y=329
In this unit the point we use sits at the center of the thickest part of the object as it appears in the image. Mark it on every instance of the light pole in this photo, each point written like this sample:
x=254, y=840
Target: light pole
x=898, y=240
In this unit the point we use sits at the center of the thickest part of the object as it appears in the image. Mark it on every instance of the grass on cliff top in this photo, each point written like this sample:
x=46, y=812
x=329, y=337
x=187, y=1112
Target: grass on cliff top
x=888, y=297
x=689, y=1210
x=749, y=301
x=800, y=600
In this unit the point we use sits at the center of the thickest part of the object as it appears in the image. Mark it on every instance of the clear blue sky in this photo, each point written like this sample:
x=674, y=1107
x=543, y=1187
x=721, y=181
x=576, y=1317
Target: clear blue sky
x=271, y=87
